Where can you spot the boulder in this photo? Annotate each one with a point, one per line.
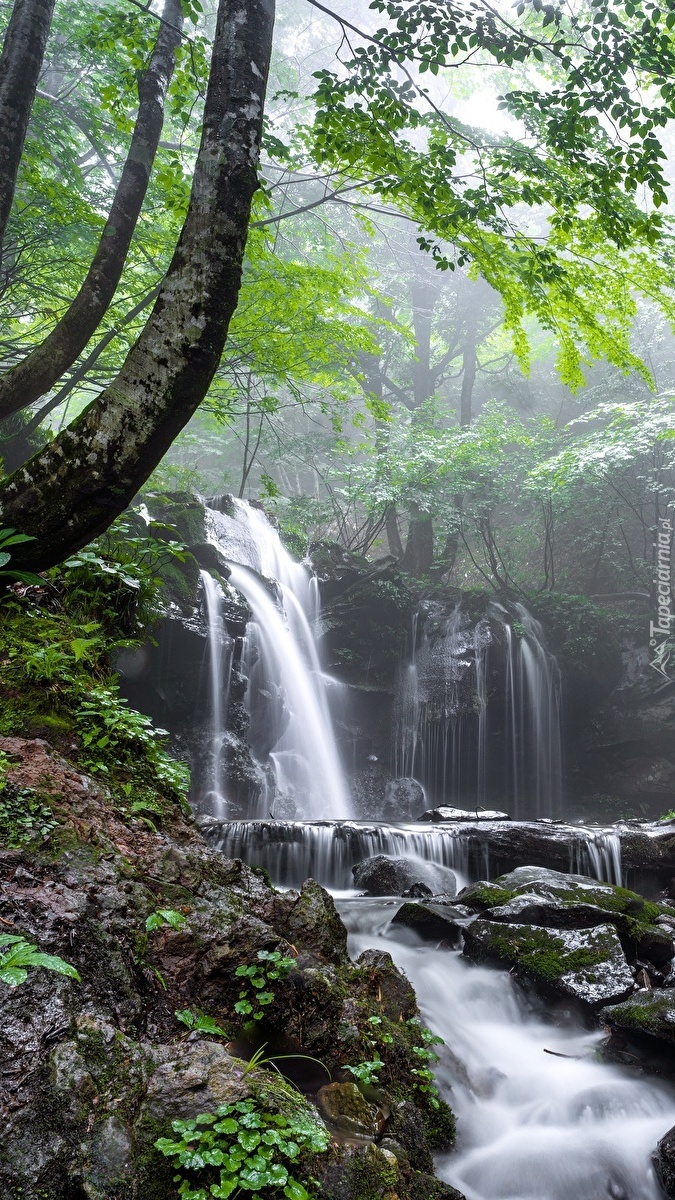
(346, 1110)
(537, 896)
(651, 1012)
(586, 965)
(438, 815)
(664, 1163)
(385, 876)
(432, 922)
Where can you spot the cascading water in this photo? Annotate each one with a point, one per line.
(538, 1116)
(281, 664)
(220, 648)
(451, 719)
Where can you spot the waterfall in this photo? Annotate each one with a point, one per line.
(287, 691)
(220, 667)
(451, 718)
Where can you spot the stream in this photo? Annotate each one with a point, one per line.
(531, 1125)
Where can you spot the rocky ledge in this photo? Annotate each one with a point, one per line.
(192, 975)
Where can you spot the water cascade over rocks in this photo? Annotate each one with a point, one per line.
(292, 727)
(540, 1117)
(450, 722)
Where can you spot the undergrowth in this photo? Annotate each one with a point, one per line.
(57, 641)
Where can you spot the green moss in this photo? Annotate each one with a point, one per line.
(486, 895)
(545, 955)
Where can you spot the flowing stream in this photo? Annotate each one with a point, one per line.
(531, 1125)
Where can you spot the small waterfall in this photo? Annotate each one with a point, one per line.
(293, 851)
(597, 853)
(220, 648)
(470, 688)
(287, 692)
(536, 698)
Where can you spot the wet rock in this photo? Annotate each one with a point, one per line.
(439, 815)
(345, 1109)
(651, 1012)
(92, 1072)
(385, 876)
(395, 994)
(418, 891)
(314, 921)
(664, 1163)
(403, 799)
(587, 965)
(430, 921)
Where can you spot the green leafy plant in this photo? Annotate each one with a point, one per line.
(367, 1073)
(199, 1022)
(15, 961)
(9, 537)
(241, 1148)
(256, 993)
(164, 916)
(424, 1076)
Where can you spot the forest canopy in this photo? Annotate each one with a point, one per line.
(402, 270)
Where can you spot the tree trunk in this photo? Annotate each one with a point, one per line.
(39, 371)
(20, 65)
(419, 548)
(73, 489)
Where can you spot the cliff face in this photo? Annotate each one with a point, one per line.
(95, 1070)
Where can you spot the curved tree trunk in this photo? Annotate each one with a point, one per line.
(39, 371)
(20, 65)
(75, 487)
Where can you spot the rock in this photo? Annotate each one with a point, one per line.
(93, 1072)
(344, 1108)
(651, 1012)
(418, 891)
(432, 922)
(395, 994)
(385, 876)
(664, 1163)
(403, 799)
(314, 921)
(438, 815)
(587, 965)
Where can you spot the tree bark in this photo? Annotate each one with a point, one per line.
(73, 489)
(20, 64)
(40, 369)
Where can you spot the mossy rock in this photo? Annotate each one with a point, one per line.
(651, 1012)
(586, 965)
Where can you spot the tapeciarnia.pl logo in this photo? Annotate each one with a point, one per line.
(660, 630)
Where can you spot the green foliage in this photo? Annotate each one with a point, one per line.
(10, 537)
(164, 916)
(241, 1147)
(22, 955)
(367, 1073)
(199, 1022)
(256, 993)
(25, 814)
(56, 643)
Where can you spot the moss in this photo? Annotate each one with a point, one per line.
(181, 581)
(545, 955)
(486, 895)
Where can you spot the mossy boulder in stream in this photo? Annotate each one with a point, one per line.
(586, 965)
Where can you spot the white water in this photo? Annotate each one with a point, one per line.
(531, 1126)
(282, 663)
(447, 719)
(293, 851)
(220, 666)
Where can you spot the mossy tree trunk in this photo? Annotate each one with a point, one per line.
(20, 64)
(74, 488)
